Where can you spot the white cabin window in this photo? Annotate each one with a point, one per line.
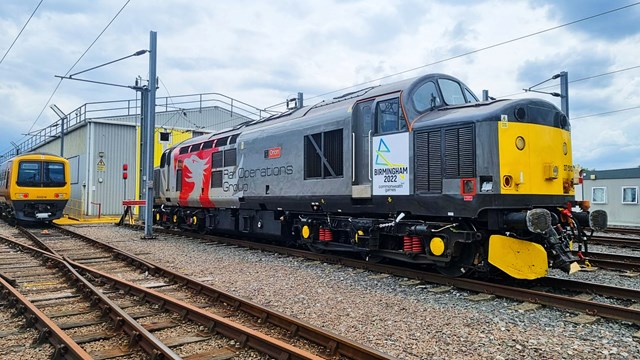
(599, 195)
(629, 194)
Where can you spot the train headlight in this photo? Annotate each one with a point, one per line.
(520, 143)
(565, 149)
(551, 171)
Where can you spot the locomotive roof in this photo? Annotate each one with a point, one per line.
(341, 103)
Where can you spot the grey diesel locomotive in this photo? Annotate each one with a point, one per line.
(418, 171)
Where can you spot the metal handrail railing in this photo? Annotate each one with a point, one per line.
(114, 108)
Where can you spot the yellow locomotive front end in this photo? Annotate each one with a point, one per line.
(38, 187)
(535, 159)
(536, 168)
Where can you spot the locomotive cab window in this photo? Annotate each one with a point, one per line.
(163, 159)
(451, 92)
(426, 97)
(471, 98)
(389, 116)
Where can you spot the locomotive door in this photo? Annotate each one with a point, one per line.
(361, 150)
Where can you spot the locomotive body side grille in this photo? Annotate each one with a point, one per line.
(459, 153)
(428, 161)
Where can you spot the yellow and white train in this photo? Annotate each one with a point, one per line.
(34, 187)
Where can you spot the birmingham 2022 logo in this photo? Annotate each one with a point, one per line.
(391, 172)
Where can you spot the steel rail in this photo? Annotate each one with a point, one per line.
(334, 343)
(539, 297)
(214, 323)
(584, 286)
(615, 241)
(621, 230)
(65, 347)
(136, 332)
(612, 261)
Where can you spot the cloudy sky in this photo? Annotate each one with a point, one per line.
(262, 52)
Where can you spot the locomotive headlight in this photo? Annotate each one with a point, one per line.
(520, 143)
(565, 149)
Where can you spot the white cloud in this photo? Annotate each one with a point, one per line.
(262, 52)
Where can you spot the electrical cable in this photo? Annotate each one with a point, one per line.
(481, 49)
(605, 113)
(21, 30)
(576, 80)
(72, 66)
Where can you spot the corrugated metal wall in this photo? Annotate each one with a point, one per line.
(112, 146)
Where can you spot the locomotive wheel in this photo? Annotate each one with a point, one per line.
(372, 258)
(316, 248)
(202, 228)
(461, 264)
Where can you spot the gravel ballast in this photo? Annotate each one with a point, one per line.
(405, 320)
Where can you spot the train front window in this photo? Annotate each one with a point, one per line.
(451, 92)
(40, 174)
(29, 173)
(53, 174)
(471, 98)
(426, 97)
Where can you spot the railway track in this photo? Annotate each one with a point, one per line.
(172, 291)
(615, 241)
(25, 329)
(624, 309)
(621, 230)
(42, 288)
(612, 261)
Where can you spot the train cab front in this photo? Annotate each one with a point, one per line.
(535, 169)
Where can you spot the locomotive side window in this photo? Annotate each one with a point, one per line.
(323, 155)
(451, 92)
(426, 97)
(230, 157)
(216, 179)
(184, 150)
(163, 160)
(216, 160)
(389, 116)
(179, 180)
(195, 147)
(207, 145)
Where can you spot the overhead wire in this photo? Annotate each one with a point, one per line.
(181, 113)
(21, 30)
(576, 80)
(480, 49)
(74, 64)
(605, 113)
